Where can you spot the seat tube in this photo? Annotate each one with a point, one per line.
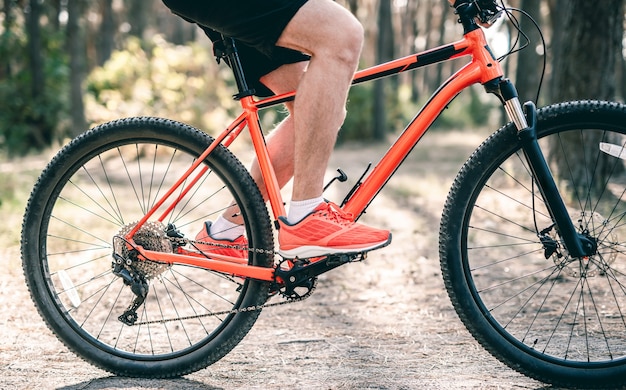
(245, 97)
(265, 164)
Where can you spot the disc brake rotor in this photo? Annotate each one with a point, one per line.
(596, 226)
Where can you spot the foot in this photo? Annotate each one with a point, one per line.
(328, 230)
(205, 236)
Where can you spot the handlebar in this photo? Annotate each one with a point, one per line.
(485, 11)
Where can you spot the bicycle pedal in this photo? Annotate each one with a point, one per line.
(344, 258)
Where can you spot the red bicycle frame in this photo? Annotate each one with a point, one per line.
(482, 68)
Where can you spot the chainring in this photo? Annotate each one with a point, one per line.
(296, 292)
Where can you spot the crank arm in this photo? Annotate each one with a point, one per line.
(302, 271)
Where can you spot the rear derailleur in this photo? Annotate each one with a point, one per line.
(138, 285)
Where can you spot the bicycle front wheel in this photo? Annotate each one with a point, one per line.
(97, 188)
(553, 317)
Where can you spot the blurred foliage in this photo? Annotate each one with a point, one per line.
(471, 109)
(27, 122)
(183, 82)
(157, 78)
(359, 119)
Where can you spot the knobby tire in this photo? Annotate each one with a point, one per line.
(558, 319)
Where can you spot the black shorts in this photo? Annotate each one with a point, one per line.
(256, 25)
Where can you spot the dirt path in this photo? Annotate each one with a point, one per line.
(385, 323)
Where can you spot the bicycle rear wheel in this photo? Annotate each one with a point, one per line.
(558, 319)
(99, 186)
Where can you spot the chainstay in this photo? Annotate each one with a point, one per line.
(232, 311)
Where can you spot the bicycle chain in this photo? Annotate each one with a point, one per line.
(184, 241)
(225, 312)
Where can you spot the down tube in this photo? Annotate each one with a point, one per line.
(389, 163)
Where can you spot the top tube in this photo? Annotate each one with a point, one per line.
(473, 44)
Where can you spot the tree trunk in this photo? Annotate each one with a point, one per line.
(384, 52)
(35, 50)
(585, 69)
(106, 40)
(529, 62)
(353, 6)
(591, 40)
(445, 11)
(7, 9)
(415, 90)
(76, 49)
(428, 82)
(622, 63)
(138, 13)
(40, 134)
(54, 10)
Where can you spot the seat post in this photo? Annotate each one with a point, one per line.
(232, 57)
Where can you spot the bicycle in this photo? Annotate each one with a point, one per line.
(531, 259)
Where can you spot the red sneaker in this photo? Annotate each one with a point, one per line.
(207, 248)
(328, 230)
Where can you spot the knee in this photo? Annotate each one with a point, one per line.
(347, 43)
(340, 40)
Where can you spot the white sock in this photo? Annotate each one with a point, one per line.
(223, 229)
(301, 208)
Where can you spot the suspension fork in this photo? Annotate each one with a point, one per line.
(577, 244)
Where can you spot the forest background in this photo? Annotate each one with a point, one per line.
(66, 65)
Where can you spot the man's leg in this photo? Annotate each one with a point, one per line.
(333, 37)
(321, 96)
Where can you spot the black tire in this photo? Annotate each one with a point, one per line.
(555, 318)
(105, 180)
